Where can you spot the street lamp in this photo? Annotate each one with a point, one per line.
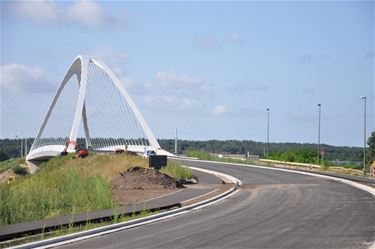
(364, 136)
(175, 143)
(268, 130)
(320, 110)
(21, 144)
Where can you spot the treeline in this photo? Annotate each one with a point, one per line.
(11, 148)
(341, 153)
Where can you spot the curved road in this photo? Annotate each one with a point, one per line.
(272, 210)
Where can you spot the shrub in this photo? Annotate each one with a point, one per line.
(176, 170)
(17, 169)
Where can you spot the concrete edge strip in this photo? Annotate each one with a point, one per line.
(83, 235)
(225, 177)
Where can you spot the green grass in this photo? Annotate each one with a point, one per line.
(176, 170)
(53, 192)
(201, 155)
(63, 186)
(10, 163)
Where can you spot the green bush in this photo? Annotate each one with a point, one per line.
(10, 163)
(17, 169)
(302, 155)
(3, 156)
(176, 170)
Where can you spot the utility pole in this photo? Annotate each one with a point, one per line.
(268, 130)
(364, 136)
(320, 107)
(26, 149)
(175, 143)
(21, 144)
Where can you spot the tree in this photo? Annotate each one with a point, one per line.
(3, 156)
(371, 149)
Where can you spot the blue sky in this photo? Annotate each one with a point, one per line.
(209, 68)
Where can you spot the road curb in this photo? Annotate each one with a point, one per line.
(71, 238)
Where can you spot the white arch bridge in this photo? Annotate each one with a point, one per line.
(91, 103)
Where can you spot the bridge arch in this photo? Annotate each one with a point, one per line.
(96, 79)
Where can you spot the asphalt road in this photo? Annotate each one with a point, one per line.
(272, 210)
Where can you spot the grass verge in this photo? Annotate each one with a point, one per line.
(175, 169)
(64, 186)
(11, 163)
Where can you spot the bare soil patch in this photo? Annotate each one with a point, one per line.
(6, 175)
(139, 184)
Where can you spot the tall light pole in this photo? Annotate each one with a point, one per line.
(175, 143)
(21, 144)
(364, 136)
(320, 111)
(268, 130)
(26, 149)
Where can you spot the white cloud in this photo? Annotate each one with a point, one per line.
(234, 38)
(206, 41)
(172, 102)
(220, 109)
(85, 13)
(90, 14)
(172, 79)
(116, 61)
(39, 11)
(21, 78)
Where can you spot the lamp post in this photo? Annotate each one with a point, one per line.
(175, 143)
(320, 111)
(21, 144)
(364, 136)
(268, 130)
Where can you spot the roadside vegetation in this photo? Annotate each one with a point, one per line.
(66, 186)
(298, 155)
(63, 186)
(175, 170)
(11, 163)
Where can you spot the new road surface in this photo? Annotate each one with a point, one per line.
(273, 209)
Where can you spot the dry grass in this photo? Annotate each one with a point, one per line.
(105, 165)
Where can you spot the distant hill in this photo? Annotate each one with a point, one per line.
(11, 147)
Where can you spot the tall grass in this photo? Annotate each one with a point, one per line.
(176, 170)
(10, 163)
(201, 155)
(63, 186)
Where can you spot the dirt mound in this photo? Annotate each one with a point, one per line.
(143, 178)
(139, 184)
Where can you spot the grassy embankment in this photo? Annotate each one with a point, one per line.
(64, 186)
(175, 170)
(14, 164)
